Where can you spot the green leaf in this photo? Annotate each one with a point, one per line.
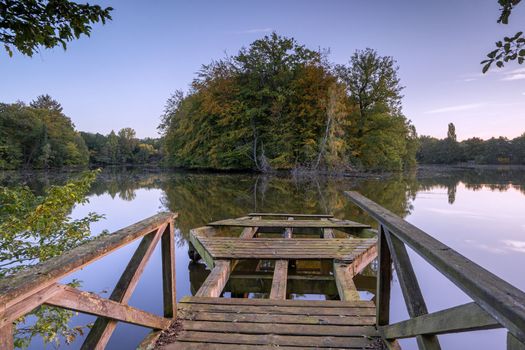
(486, 67)
(492, 54)
(499, 64)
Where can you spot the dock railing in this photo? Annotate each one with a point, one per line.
(39, 284)
(496, 303)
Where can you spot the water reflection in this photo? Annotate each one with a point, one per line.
(477, 212)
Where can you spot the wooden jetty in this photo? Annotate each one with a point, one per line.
(210, 321)
(282, 246)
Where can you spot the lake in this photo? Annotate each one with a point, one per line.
(478, 212)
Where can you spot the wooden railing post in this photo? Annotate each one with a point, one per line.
(384, 276)
(6, 337)
(168, 271)
(103, 328)
(410, 287)
(513, 343)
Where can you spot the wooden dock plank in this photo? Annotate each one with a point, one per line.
(216, 280)
(285, 223)
(280, 319)
(282, 329)
(268, 302)
(345, 284)
(280, 276)
(274, 339)
(293, 215)
(347, 249)
(282, 310)
(210, 346)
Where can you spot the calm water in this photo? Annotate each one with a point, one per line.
(477, 212)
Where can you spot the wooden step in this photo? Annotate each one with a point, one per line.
(223, 323)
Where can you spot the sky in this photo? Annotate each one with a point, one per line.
(123, 74)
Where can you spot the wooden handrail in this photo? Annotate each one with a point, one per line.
(38, 284)
(501, 300)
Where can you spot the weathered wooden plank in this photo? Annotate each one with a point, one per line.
(280, 277)
(150, 341)
(17, 287)
(212, 346)
(103, 328)
(7, 337)
(250, 232)
(363, 260)
(293, 303)
(196, 236)
(513, 343)
(273, 339)
(285, 223)
(275, 248)
(89, 303)
(464, 318)
(283, 329)
(281, 310)
(327, 232)
(26, 305)
(214, 284)
(169, 292)
(384, 278)
(500, 299)
(410, 287)
(345, 284)
(293, 215)
(279, 319)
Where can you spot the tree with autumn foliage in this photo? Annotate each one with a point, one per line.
(279, 105)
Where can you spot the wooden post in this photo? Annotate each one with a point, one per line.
(513, 343)
(327, 232)
(169, 291)
(345, 283)
(250, 232)
(103, 328)
(384, 276)
(6, 337)
(216, 280)
(410, 287)
(280, 278)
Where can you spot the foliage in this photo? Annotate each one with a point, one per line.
(511, 48)
(380, 137)
(34, 229)
(280, 105)
(121, 148)
(27, 25)
(39, 136)
(475, 150)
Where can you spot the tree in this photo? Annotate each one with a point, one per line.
(27, 25)
(39, 136)
(34, 229)
(379, 133)
(372, 83)
(451, 133)
(46, 102)
(279, 105)
(511, 48)
(127, 143)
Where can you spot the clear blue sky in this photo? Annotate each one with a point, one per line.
(124, 73)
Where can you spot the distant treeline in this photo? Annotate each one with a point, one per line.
(121, 148)
(499, 150)
(39, 135)
(279, 105)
